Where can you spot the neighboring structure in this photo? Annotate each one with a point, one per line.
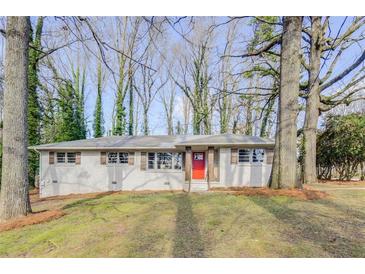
(154, 163)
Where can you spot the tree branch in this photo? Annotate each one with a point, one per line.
(344, 73)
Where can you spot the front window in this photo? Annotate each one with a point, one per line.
(151, 160)
(244, 155)
(112, 157)
(258, 155)
(71, 157)
(164, 160)
(118, 158)
(123, 157)
(61, 157)
(177, 160)
(66, 157)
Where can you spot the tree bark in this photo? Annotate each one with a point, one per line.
(313, 104)
(131, 104)
(14, 188)
(145, 122)
(285, 166)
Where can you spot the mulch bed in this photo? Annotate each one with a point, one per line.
(302, 194)
(31, 219)
(338, 182)
(34, 195)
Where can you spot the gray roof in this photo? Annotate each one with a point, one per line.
(157, 141)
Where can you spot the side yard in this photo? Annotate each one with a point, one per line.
(212, 224)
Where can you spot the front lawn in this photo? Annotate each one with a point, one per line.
(196, 225)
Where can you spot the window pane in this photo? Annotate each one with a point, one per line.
(258, 155)
(61, 157)
(244, 156)
(123, 157)
(164, 160)
(151, 160)
(177, 160)
(112, 157)
(71, 157)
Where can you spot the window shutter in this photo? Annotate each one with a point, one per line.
(103, 158)
(233, 156)
(269, 155)
(51, 158)
(131, 158)
(143, 160)
(78, 158)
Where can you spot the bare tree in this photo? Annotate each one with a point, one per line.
(167, 97)
(14, 187)
(150, 86)
(285, 157)
(321, 45)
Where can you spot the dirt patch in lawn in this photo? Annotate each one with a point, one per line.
(302, 194)
(31, 219)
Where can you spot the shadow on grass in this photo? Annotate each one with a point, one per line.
(187, 240)
(302, 227)
(85, 201)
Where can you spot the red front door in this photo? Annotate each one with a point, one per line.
(198, 165)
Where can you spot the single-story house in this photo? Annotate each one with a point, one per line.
(154, 163)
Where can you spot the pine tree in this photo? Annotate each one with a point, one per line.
(34, 112)
(98, 125)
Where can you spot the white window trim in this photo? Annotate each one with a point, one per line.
(118, 163)
(66, 163)
(156, 170)
(251, 162)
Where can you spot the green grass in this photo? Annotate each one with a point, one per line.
(196, 225)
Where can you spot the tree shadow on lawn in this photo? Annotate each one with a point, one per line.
(304, 227)
(188, 242)
(90, 203)
(86, 201)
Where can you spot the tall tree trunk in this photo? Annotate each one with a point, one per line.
(248, 124)
(145, 122)
(223, 114)
(131, 104)
(14, 186)
(274, 181)
(285, 167)
(312, 106)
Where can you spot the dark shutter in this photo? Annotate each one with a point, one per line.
(103, 158)
(131, 158)
(51, 158)
(143, 160)
(233, 156)
(269, 155)
(78, 158)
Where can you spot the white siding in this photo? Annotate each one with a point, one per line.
(91, 176)
(242, 174)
